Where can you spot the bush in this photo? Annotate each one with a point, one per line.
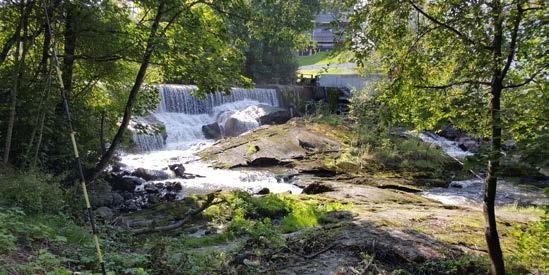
(30, 191)
(467, 264)
(532, 247)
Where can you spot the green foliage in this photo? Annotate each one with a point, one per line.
(323, 113)
(33, 191)
(439, 76)
(532, 247)
(466, 264)
(271, 44)
(44, 262)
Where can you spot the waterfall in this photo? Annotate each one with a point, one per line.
(183, 115)
(179, 99)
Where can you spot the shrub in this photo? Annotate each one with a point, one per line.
(532, 247)
(466, 264)
(30, 191)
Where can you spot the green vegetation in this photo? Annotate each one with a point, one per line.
(478, 66)
(444, 69)
(531, 247)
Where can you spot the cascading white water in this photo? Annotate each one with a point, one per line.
(469, 192)
(180, 99)
(183, 115)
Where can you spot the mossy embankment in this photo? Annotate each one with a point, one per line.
(363, 215)
(309, 146)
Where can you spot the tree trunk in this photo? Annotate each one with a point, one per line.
(39, 141)
(102, 134)
(13, 101)
(69, 49)
(45, 75)
(106, 157)
(18, 75)
(491, 233)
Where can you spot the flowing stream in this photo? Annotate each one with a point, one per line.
(470, 192)
(183, 116)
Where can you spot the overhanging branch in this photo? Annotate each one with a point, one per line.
(448, 27)
(513, 44)
(453, 84)
(526, 81)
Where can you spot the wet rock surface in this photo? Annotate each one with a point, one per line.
(212, 131)
(317, 188)
(277, 144)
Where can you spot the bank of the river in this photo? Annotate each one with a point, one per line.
(353, 217)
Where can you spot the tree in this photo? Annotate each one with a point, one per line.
(107, 50)
(274, 32)
(176, 16)
(452, 60)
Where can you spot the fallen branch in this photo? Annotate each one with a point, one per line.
(209, 202)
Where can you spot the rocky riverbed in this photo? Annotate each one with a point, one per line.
(399, 221)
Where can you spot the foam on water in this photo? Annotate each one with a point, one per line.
(449, 147)
(470, 193)
(212, 179)
(183, 116)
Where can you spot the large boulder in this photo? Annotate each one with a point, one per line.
(126, 183)
(178, 169)
(239, 123)
(271, 146)
(251, 117)
(149, 174)
(211, 131)
(274, 115)
(102, 195)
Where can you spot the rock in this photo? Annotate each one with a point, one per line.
(211, 131)
(127, 183)
(104, 213)
(151, 189)
(117, 167)
(336, 216)
(452, 133)
(178, 169)
(101, 194)
(306, 145)
(467, 144)
(148, 174)
(153, 200)
(544, 171)
(127, 195)
(279, 144)
(264, 162)
(234, 124)
(169, 197)
(274, 115)
(263, 191)
(117, 199)
(131, 206)
(317, 188)
(284, 178)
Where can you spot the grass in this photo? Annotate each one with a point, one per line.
(329, 71)
(322, 58)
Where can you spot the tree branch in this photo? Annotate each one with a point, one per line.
(527, 81)
(449, 85)
(448, 27)
(513, 44)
